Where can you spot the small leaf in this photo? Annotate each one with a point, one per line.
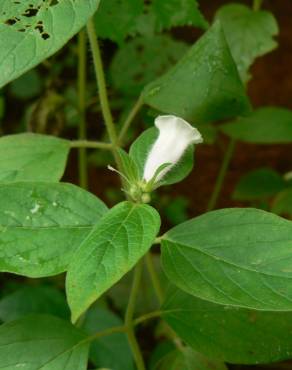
(268, 125)
(141, 147)
(130, 69)
(42, 224)
(27, 86)
(258, 184)
(112, 352)
(238, 335)
(129, 167)
(42, 342)
(173, 13)
(32, 31)
(203, 86)
(237, 257)
(113, 247)
(32, 157)
(33, 300)
(282, 204)
(115, 18)
(250, 34)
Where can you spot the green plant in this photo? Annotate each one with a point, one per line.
(225, 275)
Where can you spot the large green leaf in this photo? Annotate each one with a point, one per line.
(113, 247)
(31, 300)
(32, 157)
(203, 86)
(42, 224)
(112, 352)
(141, 147)
(174, 13)
(238, 257)
(268, 125)
(230, 334)
(42, 342)
(249, 33)
(115, 18)
(31, 31)
(259, 184)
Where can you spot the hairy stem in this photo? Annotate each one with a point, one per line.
(129, 322)
(82, 155)
(221, 176)
(154, 277)
(257, 4)
(130, 119)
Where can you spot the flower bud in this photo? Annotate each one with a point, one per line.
(175, 136)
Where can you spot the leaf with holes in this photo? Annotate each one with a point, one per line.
(237, 257)
(32, 157)
(238, 335)
(141, 147)
(203, 86)
(42, 342)
(31, 31)
(250, 34)
(173, 13)
(268, 125)
(42, 224)
(113, 247)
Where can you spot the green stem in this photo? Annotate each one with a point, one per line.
(82, 155)
(221, 176)
(257, 4)
(90, 144)
(138, 105)
(147, 316)
(99, 72)
(154, 277)
(129, 322)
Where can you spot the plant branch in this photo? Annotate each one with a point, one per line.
(138, 105)
(147, 316)
(82, 155)
(154, 277)
(90, 144)
(129, 322)
(221, 176)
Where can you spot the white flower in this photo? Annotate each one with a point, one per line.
(175, 136)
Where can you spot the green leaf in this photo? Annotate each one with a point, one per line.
(112, 352)
(115, 18)
(130, 69)
(230, 334)
(269, 125)
(113, 247)
(250, 34)
(33, 300)
(32, 157)
(203, 86)
(27, 86)
(173, 13)
(129, 167)
(282, 204)
(139, 151)
(31, 31)
(258, 184)
(187, 359)
(42, 342)
(42, 224)
(238, 257)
